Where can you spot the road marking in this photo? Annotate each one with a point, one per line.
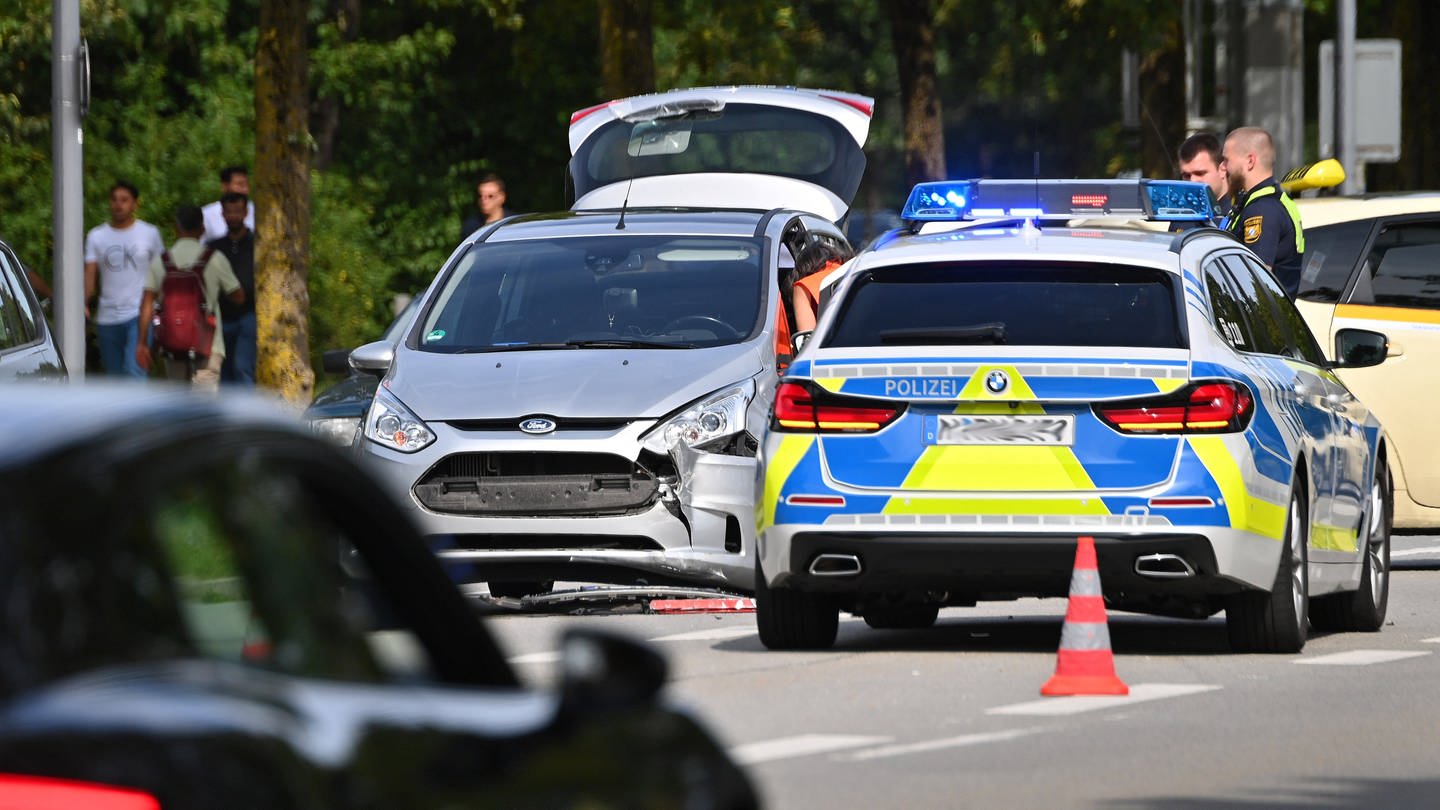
(1139, 693)
(1435, 640)
(713, 634)
(937, 745)
(1415, 552)
(1360, 658)
(536, 658)
(800, 746)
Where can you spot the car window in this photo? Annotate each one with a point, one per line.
(1301, 341)
(1225, 310)
(677, 292)
(1331, 252)
(17, 323)
(1267, 331)
(1011, 303)
(1402, 269)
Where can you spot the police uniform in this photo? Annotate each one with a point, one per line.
(1268, 222)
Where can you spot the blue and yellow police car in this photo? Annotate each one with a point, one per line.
(1020, 366)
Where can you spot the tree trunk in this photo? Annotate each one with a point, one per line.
(627, 55)
(1419, 164)
(913, 34)
(282, 202)
(326, 113)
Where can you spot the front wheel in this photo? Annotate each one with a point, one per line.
(793, 620)
(1363, 610)
(1278, 621)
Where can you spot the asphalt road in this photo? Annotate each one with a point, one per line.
(952, 716)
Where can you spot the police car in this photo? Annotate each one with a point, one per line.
(992, 382)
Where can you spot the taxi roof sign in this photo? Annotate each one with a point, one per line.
(1160, 200)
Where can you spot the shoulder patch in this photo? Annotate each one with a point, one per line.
(1252, 229)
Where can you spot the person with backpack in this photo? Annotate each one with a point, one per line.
(186, 282)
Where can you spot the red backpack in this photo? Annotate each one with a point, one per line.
(186, 326)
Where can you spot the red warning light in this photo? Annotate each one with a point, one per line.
(1089, 200)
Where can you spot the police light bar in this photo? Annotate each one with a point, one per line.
(1159, 200)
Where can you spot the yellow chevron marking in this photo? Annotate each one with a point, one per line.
(1167, 384)
(985, 468)
(831, 384)
(1017, 390)
(1246, 512)
(777, 471)
(900, 505)
(1334, 538)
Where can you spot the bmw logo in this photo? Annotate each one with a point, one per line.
(537, 425)
(996, 382)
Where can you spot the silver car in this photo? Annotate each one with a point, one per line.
(580, 395)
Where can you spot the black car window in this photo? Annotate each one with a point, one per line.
(1301, 341)
(1267, 330)
(1402, 268)
(1331, 252)
(15, 329)
(1225, 310)
(1010, 303)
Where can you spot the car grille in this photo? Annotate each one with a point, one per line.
(534, 483)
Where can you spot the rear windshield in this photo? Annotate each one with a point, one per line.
(737, 138)
(1013, 304)
(597, 292)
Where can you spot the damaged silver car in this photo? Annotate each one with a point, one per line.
(579, 396)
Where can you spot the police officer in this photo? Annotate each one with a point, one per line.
(1264, 217)
(1202, 160)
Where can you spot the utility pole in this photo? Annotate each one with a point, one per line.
(1345, 97)
(69, 89)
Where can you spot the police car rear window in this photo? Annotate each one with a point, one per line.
(1013, 304)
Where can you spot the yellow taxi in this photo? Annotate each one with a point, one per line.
(1373, 262)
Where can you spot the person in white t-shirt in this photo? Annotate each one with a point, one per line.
(234, 179)
(117, 259)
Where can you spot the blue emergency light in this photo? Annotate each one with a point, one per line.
(1160, 200)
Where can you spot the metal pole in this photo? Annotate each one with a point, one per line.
(67, 187)
(1345, 150)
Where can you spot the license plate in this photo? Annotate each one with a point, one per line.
(1006, 430)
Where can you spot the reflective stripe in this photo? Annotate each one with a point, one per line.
(1080, 636)
(1235, 227)
(781, 464)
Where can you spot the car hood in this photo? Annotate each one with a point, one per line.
(576, 383)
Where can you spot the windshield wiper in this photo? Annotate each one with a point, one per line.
(992, 333)
(513, 347)
(621, 343)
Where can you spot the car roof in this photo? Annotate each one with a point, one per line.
(980, 243)
(638, 222)
(1319, 211)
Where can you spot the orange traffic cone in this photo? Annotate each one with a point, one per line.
(1085, 665)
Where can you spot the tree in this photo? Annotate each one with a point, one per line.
(627, 54)
(911, 28)
(282, 209)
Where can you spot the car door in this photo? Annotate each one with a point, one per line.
(1396, 290)
(26, 351)
(753, 148)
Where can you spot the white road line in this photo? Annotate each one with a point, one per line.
(1139, 693)
(1435, 640)
(1415, 552)
(536, 658)
(800, 746)
(713, 634)
(1360, 658)
(937, 745)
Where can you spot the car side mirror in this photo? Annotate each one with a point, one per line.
(600, 672)
(799, 339)
(335, 361)
(373, 358)
(1360, 348)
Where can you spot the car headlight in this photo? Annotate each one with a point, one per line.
(390, 424)
(715, 417)
(338, 430)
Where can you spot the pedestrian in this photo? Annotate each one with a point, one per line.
(1202, 160)
(490, 205)
(233, 180)
(816, 261)
(238, 320)
(218, 277)
(1264, 216)
(117, 257)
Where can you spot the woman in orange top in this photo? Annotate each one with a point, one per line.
(815, 262)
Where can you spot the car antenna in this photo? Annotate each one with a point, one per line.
(620, 225)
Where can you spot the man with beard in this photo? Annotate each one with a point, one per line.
(1264, 216)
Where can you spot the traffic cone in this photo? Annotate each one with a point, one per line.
(1085, 665)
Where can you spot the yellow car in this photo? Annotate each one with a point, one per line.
(1373, 262)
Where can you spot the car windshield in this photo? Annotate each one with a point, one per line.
(612, 291)
(1015, 304)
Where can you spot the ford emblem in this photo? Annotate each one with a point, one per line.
(996, 382)
(537, 424)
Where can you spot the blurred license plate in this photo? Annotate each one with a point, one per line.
(1057, 430)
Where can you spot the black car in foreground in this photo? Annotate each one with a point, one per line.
(190, 591)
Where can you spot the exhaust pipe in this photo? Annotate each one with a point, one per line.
(1163, 566)
(835, 565)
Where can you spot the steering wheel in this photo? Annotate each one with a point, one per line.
(719, 327)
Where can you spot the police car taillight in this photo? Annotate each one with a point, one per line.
(43, 793)
(800, 407)
(1211, 407)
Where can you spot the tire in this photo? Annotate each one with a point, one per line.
(794, 620)
(1276, 622)
(890, 616)
(1363, 610)
(519, 589)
